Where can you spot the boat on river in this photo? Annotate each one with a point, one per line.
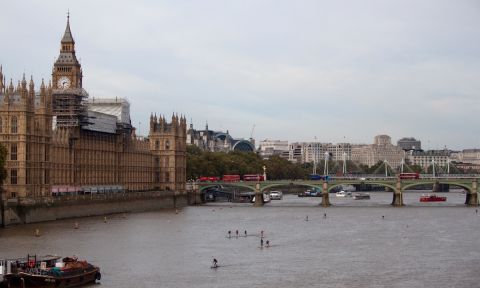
(361, 196)
(432, 198)
(47, 271)
(343, 194)
(315, 192)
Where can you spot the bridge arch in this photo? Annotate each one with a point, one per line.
(230, 184)
(337, 184)
(433, 182)
(296, 184)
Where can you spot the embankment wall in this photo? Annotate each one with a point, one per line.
(23, 213)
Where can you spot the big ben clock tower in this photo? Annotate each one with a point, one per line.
(68, 94)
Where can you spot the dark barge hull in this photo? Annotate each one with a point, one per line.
(47, 281)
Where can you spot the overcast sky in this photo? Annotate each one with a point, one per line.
(297, 70)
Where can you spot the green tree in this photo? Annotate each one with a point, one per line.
(280, 169)
(205, 163)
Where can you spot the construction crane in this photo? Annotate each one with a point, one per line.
(251, 133)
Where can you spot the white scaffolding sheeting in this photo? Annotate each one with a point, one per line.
(117, 107)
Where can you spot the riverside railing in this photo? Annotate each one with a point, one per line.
(96, 197)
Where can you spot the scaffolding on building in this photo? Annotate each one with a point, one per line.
(69, 107)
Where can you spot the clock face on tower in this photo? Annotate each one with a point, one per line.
(63, 82)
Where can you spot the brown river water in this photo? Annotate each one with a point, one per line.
(419, 245)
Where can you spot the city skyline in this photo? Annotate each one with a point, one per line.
(400, 68)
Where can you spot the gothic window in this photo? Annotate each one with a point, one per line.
(13, 126)
(13, 176)
(157, 145)
(167, 177)
(13, 152)
(47, 154)
(157, 162)
(157, 177)
(167, 145)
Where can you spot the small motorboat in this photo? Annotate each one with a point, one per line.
(343, 194)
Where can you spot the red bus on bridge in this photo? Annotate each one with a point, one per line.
(231, 178)
(253, 177)
(209, 179)
(409, 176)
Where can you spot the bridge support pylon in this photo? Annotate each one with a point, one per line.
(325, 199)
(472, 196)
(258, 196)
(398, 195)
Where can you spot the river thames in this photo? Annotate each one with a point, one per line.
(419, 245)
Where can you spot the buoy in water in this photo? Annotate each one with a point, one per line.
(176, 211)
(37, 232)
(105, 219)
(76, 225)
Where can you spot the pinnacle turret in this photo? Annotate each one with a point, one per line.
(31, 84)
(10, 87)
(24, 81)
(2, 82)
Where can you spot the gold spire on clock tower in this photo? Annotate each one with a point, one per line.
(66, 67)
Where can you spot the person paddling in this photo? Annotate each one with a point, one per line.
(215, 263)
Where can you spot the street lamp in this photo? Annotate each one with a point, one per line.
(344, 163)
(386, 167)
(314, 147)
(325, 167)
(433, 167)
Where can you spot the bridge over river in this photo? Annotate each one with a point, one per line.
(397, 185)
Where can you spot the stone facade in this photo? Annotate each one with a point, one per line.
(409, 143)
(69, 156)
(269, 148)
(382, 149)
(424, 158)
(470, 156)
(314, 152)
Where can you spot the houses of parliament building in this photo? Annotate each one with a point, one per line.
(60, 141)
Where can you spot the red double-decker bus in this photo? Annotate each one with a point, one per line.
(209, 179)
(253, 177)
(231, 178)
(409, 176)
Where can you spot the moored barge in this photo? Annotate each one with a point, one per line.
(47, 271)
